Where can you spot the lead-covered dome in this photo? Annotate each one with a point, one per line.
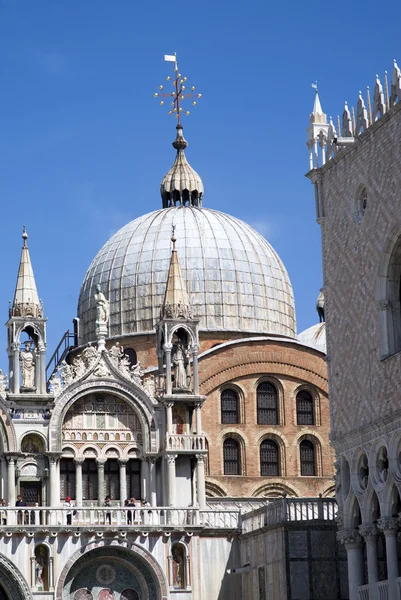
(235, 279)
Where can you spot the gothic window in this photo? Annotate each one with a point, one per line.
(229, 407)
(178, 557)
(133, 479)
(89, 479)
(67, 478)
(112, 479)
(304, 408)
(307, 455)
(131, 355)
(390, 301)
(232, 457)
(267, 404)
(269, 458)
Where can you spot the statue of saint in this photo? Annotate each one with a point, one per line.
(27, 362)
(180, 372)
(116, 352)
(102, 307)
(137, 373)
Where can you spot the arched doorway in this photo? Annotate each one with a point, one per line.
(112, 572)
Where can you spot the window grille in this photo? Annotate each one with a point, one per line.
(304, 408)
(89, 479)
(67, 478)
(231, 457)
(112, 479)
(267, 408)
(307, 450)
(229, 407)
(269, 458)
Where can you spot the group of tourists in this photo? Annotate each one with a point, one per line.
(133, 516)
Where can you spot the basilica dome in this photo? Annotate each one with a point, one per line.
(235, 280)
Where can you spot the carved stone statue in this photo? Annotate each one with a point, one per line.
(67, 373)
(56, 385)
(27, 362)
(116, 352)
(149, 385)
(180, 372)
(89, 356)
(137, 373)
(3, 382)
(102, 312)
(78, 366)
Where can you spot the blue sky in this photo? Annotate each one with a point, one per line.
(84, 145)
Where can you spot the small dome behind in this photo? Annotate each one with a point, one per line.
(235, 279)
(315, 337)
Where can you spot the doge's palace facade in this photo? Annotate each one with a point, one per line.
(357, 184)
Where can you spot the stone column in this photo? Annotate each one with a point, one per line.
(15, 368)
(389, 526)
(11, 481)
(170, 459)
(42, 372)
(4, 488)
(354, 547)
(100, 481)
(152, 479)
(51, 574)
(167, 352)
(123, 480)
(54, 482)
(200, 478)
(144, 480)
(169, 417)
(187, 572)
(33, 578)
(79, 496)
(369, 532)
(195, 369)
(198, 418)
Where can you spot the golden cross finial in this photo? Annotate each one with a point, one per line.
(178, 95)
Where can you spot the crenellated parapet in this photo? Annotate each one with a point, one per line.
(325, 138)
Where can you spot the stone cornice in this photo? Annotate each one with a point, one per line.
(370, 433)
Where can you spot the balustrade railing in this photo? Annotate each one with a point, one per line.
(28, 517)
(277, 512)
(185, 441)
(363, 592)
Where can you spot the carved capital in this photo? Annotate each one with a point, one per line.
(200, 458)
(101, 462)
(169, 404)
(151, 460)
(388, 524)
(198, 405)
(79, 460)
(170, 458)
(122, 461)
(349, 536)
(368, 530)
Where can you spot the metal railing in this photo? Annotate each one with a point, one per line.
(66, 343)
(135, 516)
(289, 510)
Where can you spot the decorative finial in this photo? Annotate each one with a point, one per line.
(178, 95)
(173, 238)
(314, 85)
(24, 234)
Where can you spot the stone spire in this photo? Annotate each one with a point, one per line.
(26, 300)
(317, 134)
(176, 302)
(181, 186)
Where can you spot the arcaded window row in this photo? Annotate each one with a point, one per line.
(266, 406)
(270, 460)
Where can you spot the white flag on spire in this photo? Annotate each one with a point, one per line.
(170, 57)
